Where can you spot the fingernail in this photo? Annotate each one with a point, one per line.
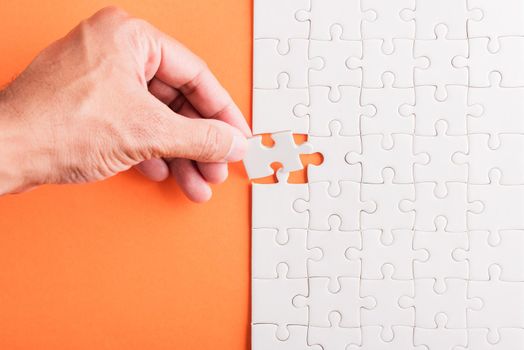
(238, 149)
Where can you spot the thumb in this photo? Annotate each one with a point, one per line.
(203, 140)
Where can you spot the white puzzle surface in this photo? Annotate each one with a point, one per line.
(410, 234)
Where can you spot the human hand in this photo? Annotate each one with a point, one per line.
(112, 94)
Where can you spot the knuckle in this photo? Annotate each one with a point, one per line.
(127, 28)
(112, 12)
(194, 82)
(107, 18)
(114, 23)
(133, 32)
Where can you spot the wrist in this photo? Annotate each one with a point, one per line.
(20, 166)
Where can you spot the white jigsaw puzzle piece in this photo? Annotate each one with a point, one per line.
(371, 339)
(500, 18)
(496, 312)
(273, 109)
(387, 119)
(269, 251)
(440, 246)
(454, 206)
(374, 63)
(453, 302)
(428, 110)
(272, 301)
(480, 339)
(277, 19)
(506, 60)
(428, 14)
(387, 24)
(481, 159)
(321, 205)
(322, 111)
(484, 251)
(259, 158)
(376, 253)
(321, 302)
(441, 335)
(441, 169)
(323, 14)
(334, 167)
(440, 53)
(272, 205)
(500, 106)
(333, 244)
(503, 206)
(269, 63)
(387, 292)
(334, 337)
(388, 217)
(334, 53)
(375, 158)
(263, 338)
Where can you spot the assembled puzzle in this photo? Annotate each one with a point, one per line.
(410, 234)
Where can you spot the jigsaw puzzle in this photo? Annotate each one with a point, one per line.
(410, 234)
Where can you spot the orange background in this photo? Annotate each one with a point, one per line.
(128, 264)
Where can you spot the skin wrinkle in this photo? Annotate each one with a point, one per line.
(218, 114)
(192, 85)
(162, 92)
(210, 144)
(154, 57)
(178, 103)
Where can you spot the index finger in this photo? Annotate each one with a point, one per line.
(186, 72)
